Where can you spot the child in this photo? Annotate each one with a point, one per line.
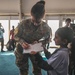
(57, 63)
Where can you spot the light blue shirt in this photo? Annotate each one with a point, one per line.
(59, 61)
(1, 33)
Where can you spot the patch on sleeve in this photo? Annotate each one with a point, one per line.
(16, 30)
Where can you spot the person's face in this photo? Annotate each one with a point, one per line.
(57, 39)
(35, 21)
(67, 22)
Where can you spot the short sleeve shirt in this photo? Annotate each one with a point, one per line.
(59, 61)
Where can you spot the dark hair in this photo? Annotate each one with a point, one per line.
(65, 33)
(38, 10)
(72, 56)
(68, 19)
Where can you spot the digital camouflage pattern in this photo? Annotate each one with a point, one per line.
(27, 32)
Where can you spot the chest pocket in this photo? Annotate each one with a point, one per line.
(33, 33)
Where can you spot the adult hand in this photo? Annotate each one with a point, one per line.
(25, 45)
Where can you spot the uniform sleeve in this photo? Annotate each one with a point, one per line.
(18, 33)
(50, 33)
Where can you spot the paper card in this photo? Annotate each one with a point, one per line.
(34, 47)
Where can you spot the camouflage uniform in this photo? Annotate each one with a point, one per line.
(27, 32)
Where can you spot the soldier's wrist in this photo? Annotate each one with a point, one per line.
(21, 41)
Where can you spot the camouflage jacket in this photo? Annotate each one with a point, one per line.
(27, 32)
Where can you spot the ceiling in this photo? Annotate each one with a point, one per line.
(24, 6)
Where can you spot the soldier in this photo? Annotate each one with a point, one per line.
(27, 32)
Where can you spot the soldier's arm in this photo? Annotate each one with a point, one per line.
(51, 33)
(18, 33)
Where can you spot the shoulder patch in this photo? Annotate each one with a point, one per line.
(16, 30)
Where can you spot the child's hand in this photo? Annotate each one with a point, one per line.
(35, 42)
(33, 52)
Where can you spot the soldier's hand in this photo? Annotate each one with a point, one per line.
(25, 45)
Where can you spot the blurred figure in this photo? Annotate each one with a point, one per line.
(12, 41)
(73, 28)
(68, 22)
(72, 53)
(1, 37)
(50, 39)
